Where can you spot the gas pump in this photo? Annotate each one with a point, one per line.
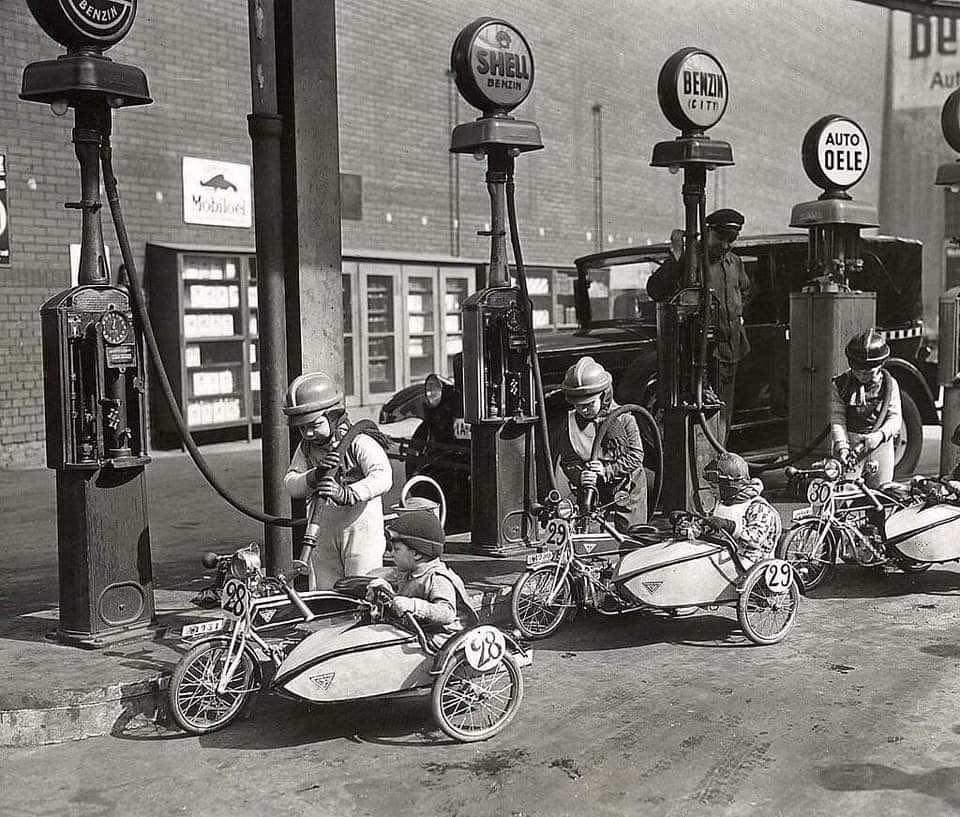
(93, 366)
(948, 366)
(828, 312)
(503, 394)
(693, 93)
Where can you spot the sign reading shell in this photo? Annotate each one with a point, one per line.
(835, 152)
(692, 90)
(74, 23)
(493, 65)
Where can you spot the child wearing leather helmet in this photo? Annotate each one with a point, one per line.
(741, 508)
(349, 481)
(425, 586)
(618, 471)
(865, 407)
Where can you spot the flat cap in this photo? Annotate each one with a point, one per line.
(726, 217)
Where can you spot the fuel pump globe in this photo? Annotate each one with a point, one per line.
(493, 65)
(835, 153)
(692, 90)
(76, 24)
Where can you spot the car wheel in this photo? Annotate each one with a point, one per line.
(908, 443)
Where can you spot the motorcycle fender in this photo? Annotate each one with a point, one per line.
(926, 534)
(450, 649)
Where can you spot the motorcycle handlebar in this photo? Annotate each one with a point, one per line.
(211, 560)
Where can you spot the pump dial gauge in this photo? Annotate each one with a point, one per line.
(115, 327)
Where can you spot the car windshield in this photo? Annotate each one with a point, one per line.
(617, 292)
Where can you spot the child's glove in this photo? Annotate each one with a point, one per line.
(591, 474)
(402, 605)
(329, 488)
(328, 460)
(376, 583)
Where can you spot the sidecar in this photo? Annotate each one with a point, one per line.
(475, 676)
(683, 572)
(922, 535)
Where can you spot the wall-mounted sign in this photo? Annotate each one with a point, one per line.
(692, 89)
(216, 193)
(4, 218)
(493, 65)
(925, 60)
(85, 22)
(835, 153)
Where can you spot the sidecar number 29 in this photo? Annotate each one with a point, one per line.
(485, 648)
(778, 575)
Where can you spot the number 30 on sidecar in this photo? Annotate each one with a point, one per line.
(700, 569)
(334, 646)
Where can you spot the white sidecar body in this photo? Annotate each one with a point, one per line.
(678, 573)
(926, 534)
(351, 660)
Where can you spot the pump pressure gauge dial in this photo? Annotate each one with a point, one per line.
(115, 327)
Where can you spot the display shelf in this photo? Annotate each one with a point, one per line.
(194, 294)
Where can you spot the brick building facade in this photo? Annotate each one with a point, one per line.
(597, 63)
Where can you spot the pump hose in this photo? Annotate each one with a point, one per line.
(531, 334)
(139, 301)
(650, 425)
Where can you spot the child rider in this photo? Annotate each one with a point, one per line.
(425, 587)
(349, 538)
(618, 472)
(865, 407)
(741, 510)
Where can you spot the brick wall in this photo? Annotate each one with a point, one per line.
(788, 64)
(197, 65)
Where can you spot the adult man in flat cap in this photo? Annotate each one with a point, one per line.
(727, 278)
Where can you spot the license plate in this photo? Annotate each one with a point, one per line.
(802, 513)
(203, 628)
(534, 559)
(461, 429)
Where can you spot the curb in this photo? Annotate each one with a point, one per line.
(75, 714)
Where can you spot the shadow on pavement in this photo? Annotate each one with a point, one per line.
(851, 582)
(943, 783)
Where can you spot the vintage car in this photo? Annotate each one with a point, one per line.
(616, 324)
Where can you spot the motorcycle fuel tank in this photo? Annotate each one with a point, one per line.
(678, 573)
(926, 534)
(354, 661)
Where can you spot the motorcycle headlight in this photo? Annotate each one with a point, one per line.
(832, 469)
(245, 563)
(433, 391)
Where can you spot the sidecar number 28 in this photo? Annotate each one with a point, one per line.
(233, 597)
(485, 648)
(778, 575)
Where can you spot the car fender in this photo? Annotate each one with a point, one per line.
(910, 379)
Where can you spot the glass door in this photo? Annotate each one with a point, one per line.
(419, 286)
(457, 285)
(379, 299)
(351, 348)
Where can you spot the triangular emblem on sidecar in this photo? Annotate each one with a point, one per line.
(652, 587)
(323, 681)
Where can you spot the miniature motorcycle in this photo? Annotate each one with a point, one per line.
(611, 573)
(328, 646)
(909, 525)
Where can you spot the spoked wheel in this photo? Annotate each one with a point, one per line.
(534, 613)
(908, 565)
(195, 704)
(470, 704)
(812, 550)
(766, 615)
